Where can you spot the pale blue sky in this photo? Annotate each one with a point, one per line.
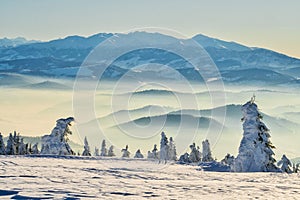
(272, 24)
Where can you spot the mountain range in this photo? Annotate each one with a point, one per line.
(62, 58)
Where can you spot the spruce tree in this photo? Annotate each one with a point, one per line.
(154, 153)
(195, 155)
(10, 147)
(126, 152)
(86, 151)
(103, 149)
(206, 152)
(96, 153)
(22, 147)
(111, 151)
(35, 150)
(256, 150)
(172, 150)
(138, 154)
(164, 148)
(2, 145)
(30, 149)
(285, 164)
(57, 142)
(17, 141)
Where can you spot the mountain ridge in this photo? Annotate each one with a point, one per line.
(63, 57)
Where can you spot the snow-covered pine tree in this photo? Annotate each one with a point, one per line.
(22, 147)
(296, 167)
(35, 150)
(103, 149)
(206, 152)
(57, 142)
(285, 164)
(16, 141)
(172, 150)
(138, 154)
(86, 151)
(154, 153)
(228, 160)
(111, 152)
(195, 155)
(2, 145)
(30, 149)
(184, 159)
(255, 151)
(126, 153)
(164, 148)
(96, 153)
(10, 147)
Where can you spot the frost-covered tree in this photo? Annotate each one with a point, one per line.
(164, 148)
(195, 155)
(228, 160)
(103, 149)
(10, 147)
(285, 164)
(138, 154)
(35, 149)
(126, 152)
(86, 151)
(154, 153)
(22, 147)
(172, 150)
(184, 159)
(206, 152)
(255, 151)
(57, 142)
(16, 139)
(296, 167)
(29, 149)
(2, 145)
(96, 153)
(111, 152)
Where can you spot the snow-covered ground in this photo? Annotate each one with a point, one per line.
(76, 178)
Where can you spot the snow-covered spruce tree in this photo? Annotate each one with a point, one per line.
(195, 155)
(2, 145)
(154, 153)
(206, 152)
(57, 142)
(172, 150)
(285, 164)
(22, 147)
(126, 152)
(10, 147)
(86, 151)
(255, 151)
(164, 148)
(35, 150)
(111, 152)
(30, 149)
(228, 160)
(296, 167)
(103, 149)
(96, 153)
(138, 154)
(16, 138)
(184, 159)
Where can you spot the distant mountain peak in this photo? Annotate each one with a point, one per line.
(207, 41)
(63, 57)
(13, 42)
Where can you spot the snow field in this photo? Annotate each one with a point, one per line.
(114, 178)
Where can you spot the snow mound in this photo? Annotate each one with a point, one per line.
(214, 167)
